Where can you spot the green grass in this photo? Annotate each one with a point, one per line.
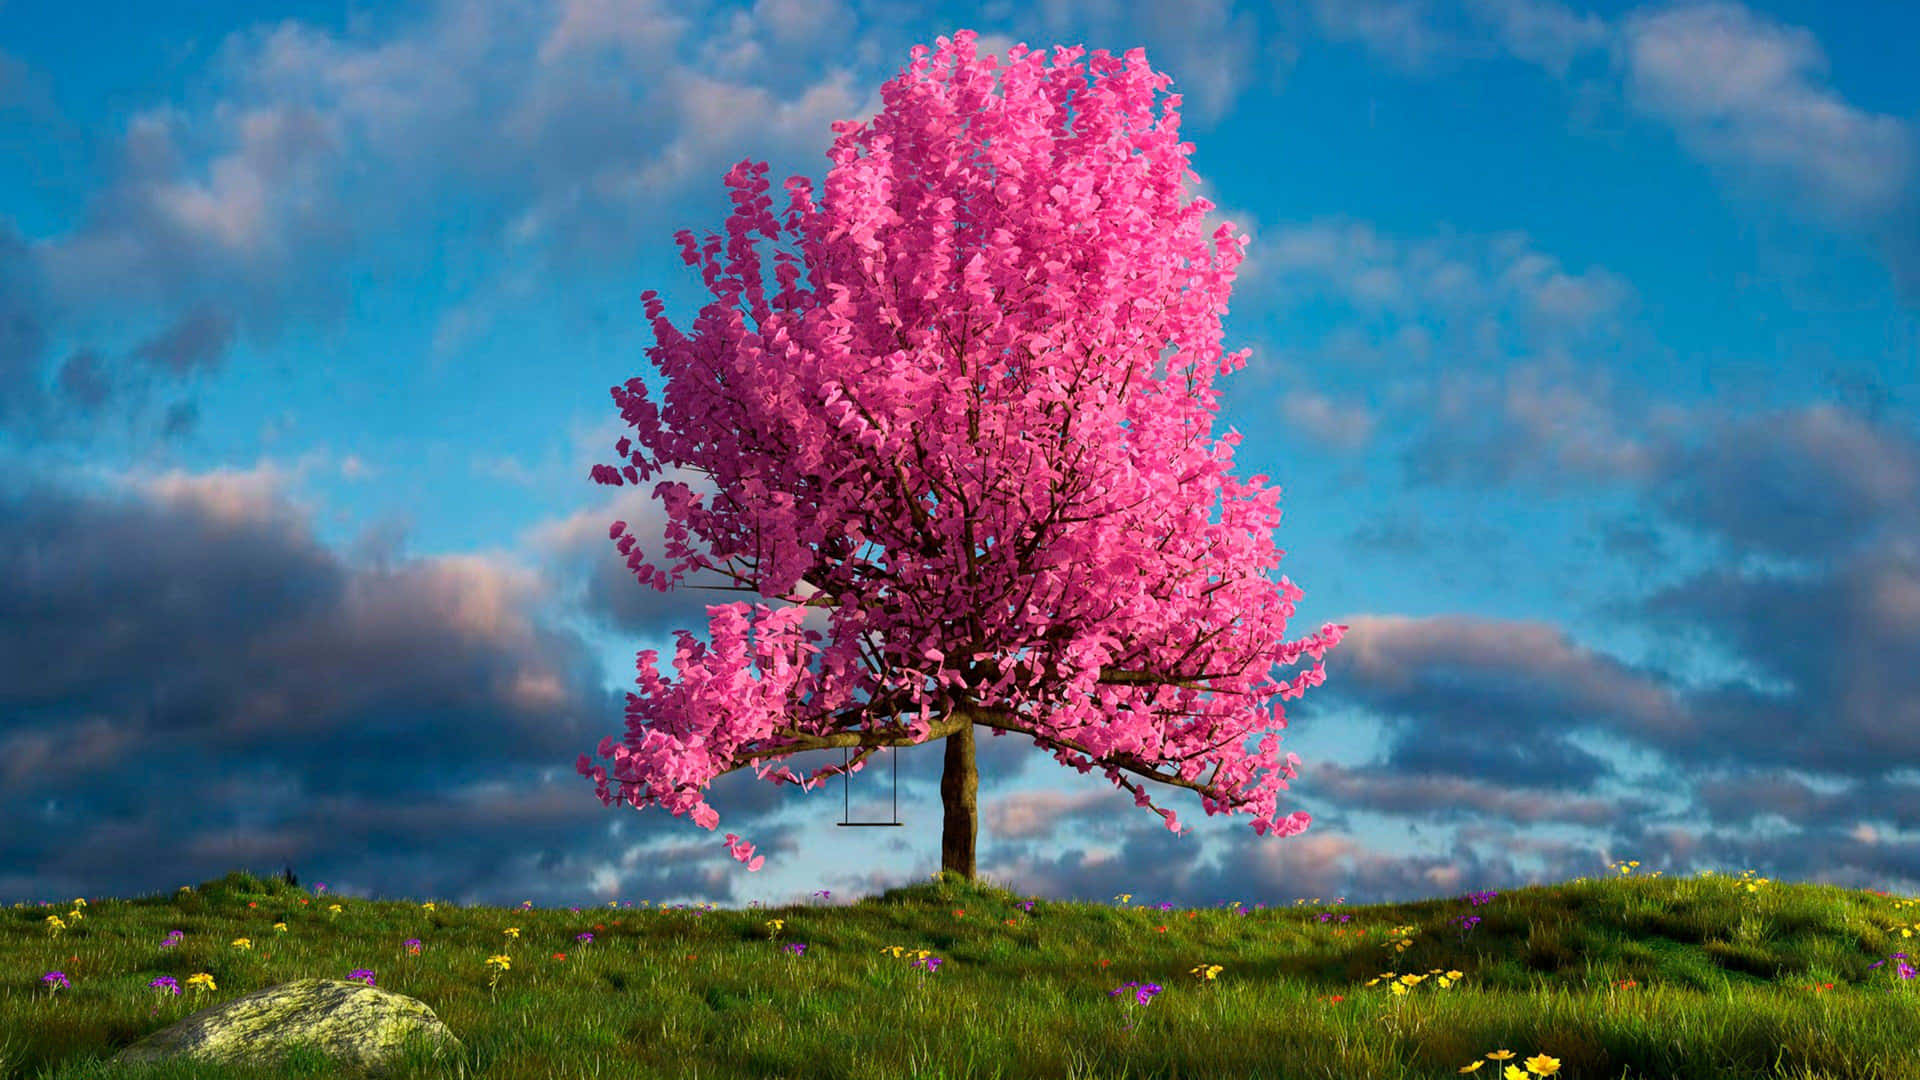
(1728, 978)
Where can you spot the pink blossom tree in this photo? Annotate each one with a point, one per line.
(966, 437)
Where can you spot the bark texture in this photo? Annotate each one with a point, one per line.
(958, 783)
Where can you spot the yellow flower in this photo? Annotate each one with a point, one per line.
(1501, 1055)
(79, 901)
(1543, 1065)
(54, 925)
(242, 943)
(280, 926)
(1513, 1072)
(1473, 1067)
(513, 932)
(1124, 897)
(1207, 971)
(201, 979)
(776, 924)
(334, 908)
(428, 905)
(503, 962)
(75, 915)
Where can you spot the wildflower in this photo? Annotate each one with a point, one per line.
(360, 975)
(242, 943)
(413, 945)
(583, 936)
(165, 984)
(280, 926)
(55, 980)
(54, 925)
(202, 980)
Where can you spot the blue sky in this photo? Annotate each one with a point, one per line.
(1584, 348)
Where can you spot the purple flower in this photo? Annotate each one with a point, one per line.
(361, 974)
(54, 978)
(1028, 906)
(583, 937)
(1145, 992)
(412, 943)
(321, 887)
(171, 940)
(165, 982)
(796, 947)
(1906, 970)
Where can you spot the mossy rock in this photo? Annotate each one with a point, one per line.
(363, 1030)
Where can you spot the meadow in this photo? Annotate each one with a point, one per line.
(1624, 975)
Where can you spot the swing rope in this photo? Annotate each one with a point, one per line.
(846, 786)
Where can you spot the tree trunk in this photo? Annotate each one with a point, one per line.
(957, 785)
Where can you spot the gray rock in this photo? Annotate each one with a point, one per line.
(362, 1028)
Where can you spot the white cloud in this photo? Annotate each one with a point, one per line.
(1752, 95)
(1541, 31)
(1403, 31)
(1447, 272)
(1346, 426)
